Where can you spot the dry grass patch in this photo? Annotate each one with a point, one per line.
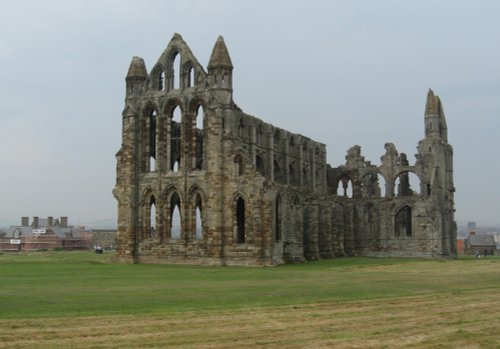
(450, 320)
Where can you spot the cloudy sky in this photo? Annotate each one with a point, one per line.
(341, 72)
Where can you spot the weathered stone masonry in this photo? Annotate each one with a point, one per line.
(200, 181)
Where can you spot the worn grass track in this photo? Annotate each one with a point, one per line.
(58, 300)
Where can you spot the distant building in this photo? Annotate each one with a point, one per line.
(105, 238)
(471, 226)
(43, 234)
(460, 246)
(484, 244)
(497, 240)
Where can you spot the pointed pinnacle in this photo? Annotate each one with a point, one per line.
(220, 55)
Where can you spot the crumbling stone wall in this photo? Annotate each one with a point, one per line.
(200, 181)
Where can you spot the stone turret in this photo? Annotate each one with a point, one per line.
(220, 67)
(435, 163)
(136, 75)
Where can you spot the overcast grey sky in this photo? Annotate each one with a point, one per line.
(340, 72)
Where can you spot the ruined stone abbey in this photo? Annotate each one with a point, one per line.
(200, 181)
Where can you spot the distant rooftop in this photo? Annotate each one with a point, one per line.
(481, 240)
(41, 225)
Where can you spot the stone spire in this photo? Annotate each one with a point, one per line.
(137, 69)
(435, 121)
(136, 75)
(220, 56)
(220, 68)
(432, 106)
(177, 36)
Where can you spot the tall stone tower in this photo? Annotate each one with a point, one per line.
(435, 162)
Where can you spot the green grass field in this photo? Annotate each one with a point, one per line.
(81, 300)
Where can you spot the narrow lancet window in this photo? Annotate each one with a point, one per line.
(175, 140)
(152, 142)
(161, 81)
(198, 131)
(191, 81)
(198, 223)
(175, 217)
(240, 221)
(152, 217)
(277, 219)
(176, 71)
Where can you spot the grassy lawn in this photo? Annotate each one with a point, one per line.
(80, 300)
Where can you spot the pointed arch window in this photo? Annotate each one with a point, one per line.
(382, 185)
(152, 141)
(345, 187)
(152, 231)
(198, 218)
(402, 222)
(176, 70)
(348, 190)
(240, 220)
(158, 78)
(191, 76)
(175, 217)
(161, 80)
(198, 138)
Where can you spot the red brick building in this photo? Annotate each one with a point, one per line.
(44, 234)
